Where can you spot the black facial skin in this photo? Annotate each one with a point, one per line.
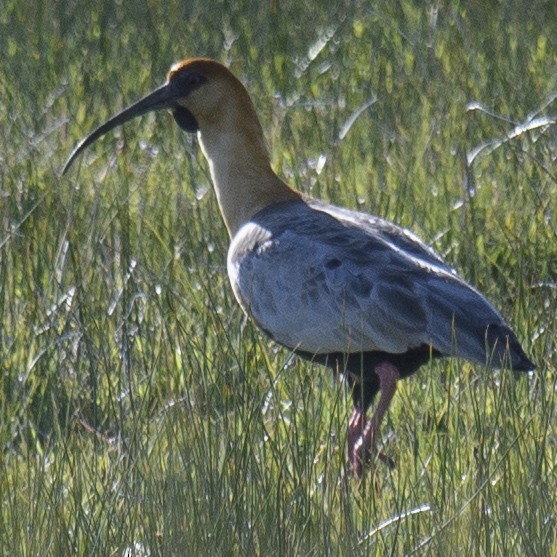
(185, 119)
(183, 83)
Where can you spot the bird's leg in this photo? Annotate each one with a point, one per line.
(356, 428)
(363, 447)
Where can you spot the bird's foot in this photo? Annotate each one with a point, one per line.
(362, 455)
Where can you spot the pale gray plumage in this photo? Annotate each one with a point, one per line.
(322, 279)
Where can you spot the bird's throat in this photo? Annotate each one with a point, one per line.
(243, 179)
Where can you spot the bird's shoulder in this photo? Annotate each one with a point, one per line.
(314, 229)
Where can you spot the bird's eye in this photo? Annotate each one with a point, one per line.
(187, 80)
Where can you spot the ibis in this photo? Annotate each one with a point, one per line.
(346, 289)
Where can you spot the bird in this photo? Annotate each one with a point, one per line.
(345, 289)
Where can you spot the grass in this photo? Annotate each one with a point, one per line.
(139, 413)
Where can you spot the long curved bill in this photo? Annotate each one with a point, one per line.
(158, 99)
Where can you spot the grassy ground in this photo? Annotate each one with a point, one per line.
(139, 413)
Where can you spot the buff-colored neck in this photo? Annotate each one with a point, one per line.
(239, 162)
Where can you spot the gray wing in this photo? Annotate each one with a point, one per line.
(322, 279)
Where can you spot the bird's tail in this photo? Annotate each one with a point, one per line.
(504, 349)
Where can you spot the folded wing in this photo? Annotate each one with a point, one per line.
(321, 279)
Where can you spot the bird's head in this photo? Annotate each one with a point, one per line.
(200, 93)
